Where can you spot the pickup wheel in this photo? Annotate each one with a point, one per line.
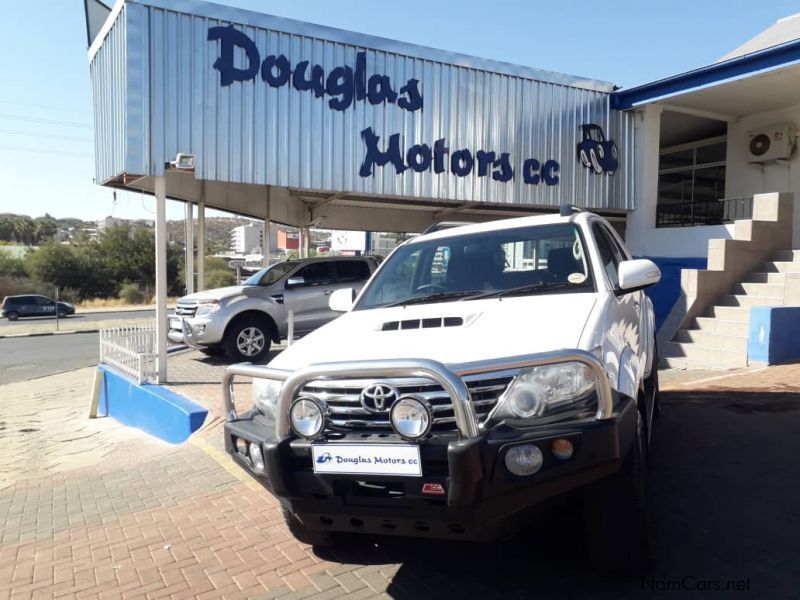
(318, 539)
(617, 524)
(247, 339)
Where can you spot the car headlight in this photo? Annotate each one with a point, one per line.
(207, 308)
(265, 395)
(539, 391)
(307, 417)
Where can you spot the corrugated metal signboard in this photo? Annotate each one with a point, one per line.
(265, 100)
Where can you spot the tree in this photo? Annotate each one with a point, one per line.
(24, 229)
(57, 264)
(6, 229)
(128, 254)
(45, 228)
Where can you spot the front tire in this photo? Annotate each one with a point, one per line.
(247, 339)
(62, 314)
(617, 522)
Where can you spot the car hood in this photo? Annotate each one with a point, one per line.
(219, 293)
(492, 328)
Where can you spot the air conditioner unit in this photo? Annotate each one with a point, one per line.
(774, 142)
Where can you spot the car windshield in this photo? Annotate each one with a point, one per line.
(521, 261)
(271, 274)
(595, 134)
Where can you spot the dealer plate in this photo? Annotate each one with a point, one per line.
(175, 324)
(367, 459)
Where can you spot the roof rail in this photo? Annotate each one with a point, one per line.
(445, 225)
(568, 209)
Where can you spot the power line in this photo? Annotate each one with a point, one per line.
(49, 107)
(47, 135)
(47, 121)
(36, 151)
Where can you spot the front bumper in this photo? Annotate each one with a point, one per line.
(194, 332)
(481, 500)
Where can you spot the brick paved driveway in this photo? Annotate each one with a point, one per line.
(133, 517)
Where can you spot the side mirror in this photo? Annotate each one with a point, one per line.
(638, 274)
(294, 282)
(342, 300)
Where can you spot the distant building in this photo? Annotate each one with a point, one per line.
(247, 239)
(108, 222)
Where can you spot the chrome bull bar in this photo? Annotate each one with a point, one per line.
(447, 376)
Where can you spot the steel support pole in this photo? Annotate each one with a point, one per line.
(161, 278)
(201, 246)
(189, 237)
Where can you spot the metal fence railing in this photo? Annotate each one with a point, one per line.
(130, 350)
(706, 212)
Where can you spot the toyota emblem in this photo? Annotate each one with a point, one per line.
(378, 397)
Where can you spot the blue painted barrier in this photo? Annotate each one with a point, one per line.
(774, 335)
(151, 408)
(666, 292)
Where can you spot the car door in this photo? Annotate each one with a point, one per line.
(28, 306)
(623, 336)
(44, 306)
(306, 295)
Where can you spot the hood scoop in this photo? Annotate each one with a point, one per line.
(427, 323)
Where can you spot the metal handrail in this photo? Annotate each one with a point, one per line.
(449, 377)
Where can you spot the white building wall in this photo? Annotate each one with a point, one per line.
(745, 179)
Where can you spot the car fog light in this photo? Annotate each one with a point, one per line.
(306, 417)
(241, 446)
(256, 458)
(411, 418)
(562, 449)
(199, 328)
(523, 460)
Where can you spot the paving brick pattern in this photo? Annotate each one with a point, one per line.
(131, 517)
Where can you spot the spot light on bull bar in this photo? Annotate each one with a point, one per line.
(411, 417)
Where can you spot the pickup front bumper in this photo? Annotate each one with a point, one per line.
(469, 493)
(481, 499)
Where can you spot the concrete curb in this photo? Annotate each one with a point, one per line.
(44, 333)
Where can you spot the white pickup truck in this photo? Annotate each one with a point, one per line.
(482, 370)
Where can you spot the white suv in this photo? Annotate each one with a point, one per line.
(482, 370)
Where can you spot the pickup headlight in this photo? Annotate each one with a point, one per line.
(265, 395)
(207, 308)
(539, 391)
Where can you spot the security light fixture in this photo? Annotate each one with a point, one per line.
(182, 162)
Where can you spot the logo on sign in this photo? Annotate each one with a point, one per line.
(323, 458)
(378, 397)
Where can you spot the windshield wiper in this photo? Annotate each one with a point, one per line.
(431, 298)
(524, 289)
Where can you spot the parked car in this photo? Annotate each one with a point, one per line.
(243, 320)
(596, 152)
(34, 305)
(482, 370)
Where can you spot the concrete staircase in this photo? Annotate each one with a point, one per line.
(718, 339)
(709, 325)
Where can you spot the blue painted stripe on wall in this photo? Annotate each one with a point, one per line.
(151, 408)
(666, 292)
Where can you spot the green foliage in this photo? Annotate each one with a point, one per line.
(133, 294)
(11, 266)
(218, 278)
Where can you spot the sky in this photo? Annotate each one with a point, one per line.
(46, 147)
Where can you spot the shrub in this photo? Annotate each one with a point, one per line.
(12, 286)
(220, 278)
(132, 294)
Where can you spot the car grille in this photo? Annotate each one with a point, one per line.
(185, 310)
(343, 398)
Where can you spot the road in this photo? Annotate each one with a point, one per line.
(86, 317)
(28, 357)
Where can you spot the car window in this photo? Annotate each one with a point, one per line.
(42, 301)
(609, 254)
(317, 273)
(538, 259)
(11, 302)
(352, 270)
(271, 274)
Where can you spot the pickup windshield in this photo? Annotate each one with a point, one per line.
(512, 262)
(271, 274)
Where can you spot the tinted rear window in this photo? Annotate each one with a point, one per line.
(352, 270)
(14, 301)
